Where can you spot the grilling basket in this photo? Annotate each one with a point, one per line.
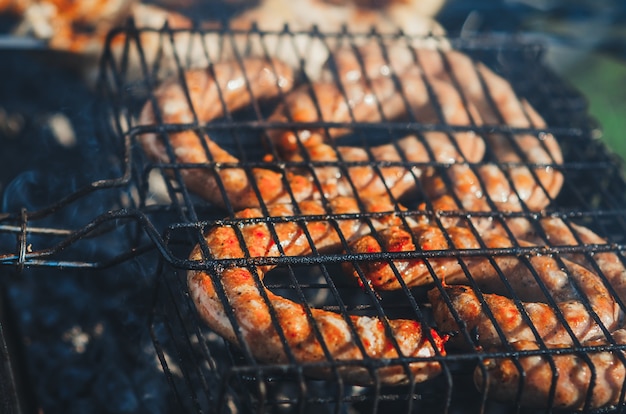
(341, 222)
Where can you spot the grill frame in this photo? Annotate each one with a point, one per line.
(152, 227)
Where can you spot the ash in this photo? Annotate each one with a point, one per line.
(88, 348)
(85, 333)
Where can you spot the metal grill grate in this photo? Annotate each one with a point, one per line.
(206, 373)
(204, 370)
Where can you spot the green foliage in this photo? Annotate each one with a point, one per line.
(603, 81)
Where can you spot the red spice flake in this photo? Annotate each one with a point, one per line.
(229, 241)
(395, 246)
(573, 321)
(388, 346)
(440, 341)
(509, 315)
(371, 248)
(362, 285)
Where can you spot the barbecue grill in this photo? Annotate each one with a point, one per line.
(153, 219)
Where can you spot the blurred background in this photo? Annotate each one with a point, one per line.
(586, 41)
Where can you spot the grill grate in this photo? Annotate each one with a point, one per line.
(205, 372)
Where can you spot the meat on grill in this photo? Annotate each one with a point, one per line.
(557, 301)
(571, 381)
(266, 321)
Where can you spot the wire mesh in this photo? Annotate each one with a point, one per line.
(208, 373)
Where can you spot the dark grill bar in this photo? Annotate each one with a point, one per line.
(155, 220)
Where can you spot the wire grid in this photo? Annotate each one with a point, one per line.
(70, 233)
(209, 374)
